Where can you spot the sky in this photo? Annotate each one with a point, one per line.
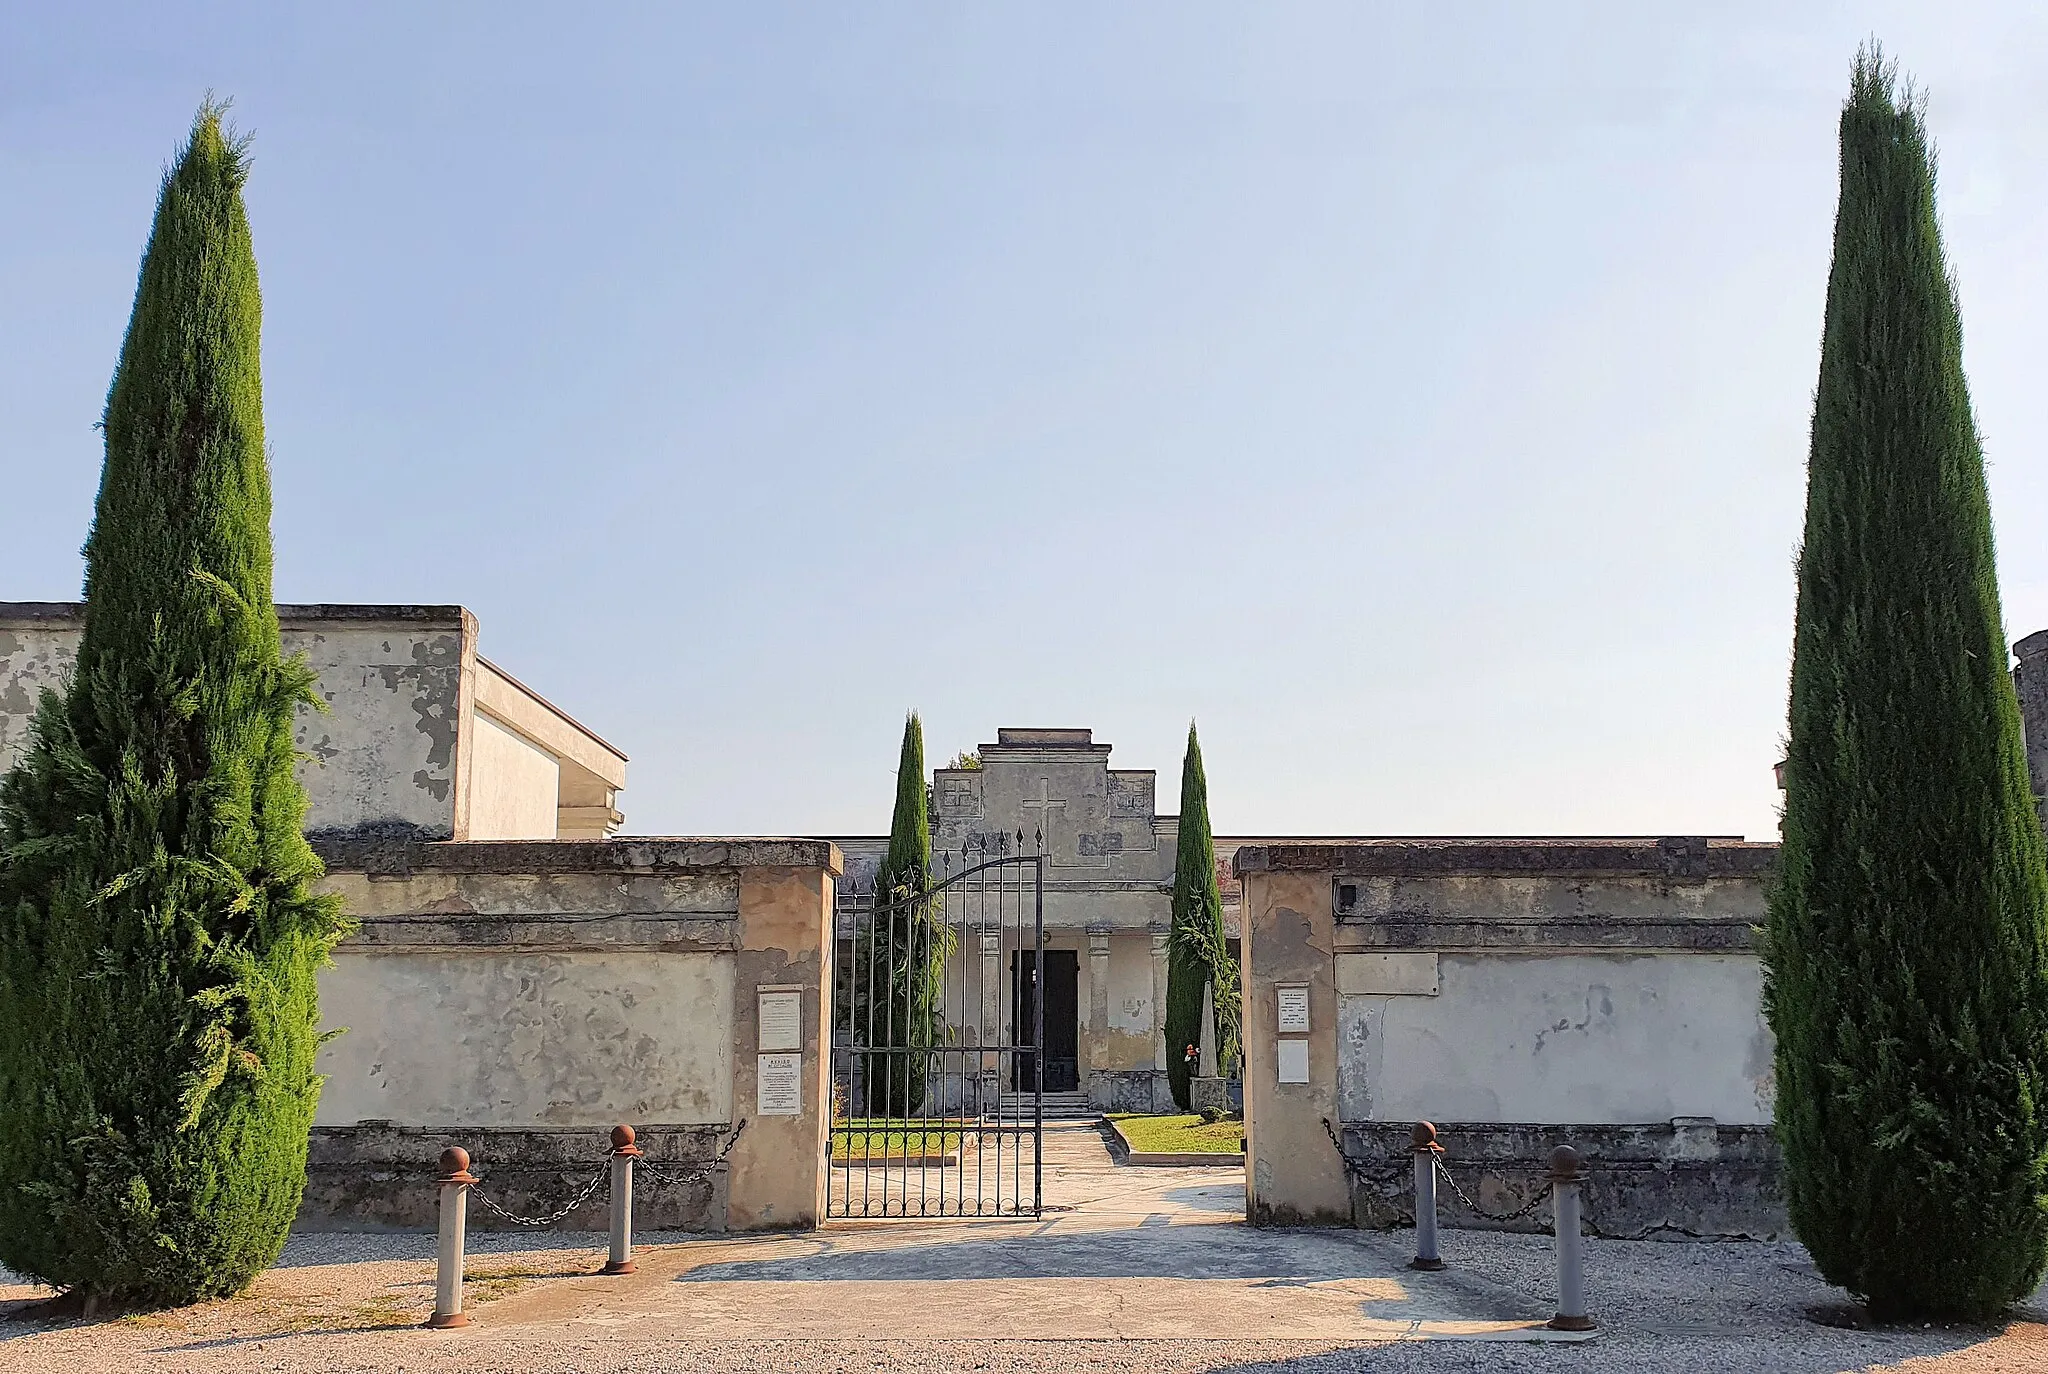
(1418, 403)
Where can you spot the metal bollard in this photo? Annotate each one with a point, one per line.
(1426, 1151)
(624, 1152)
(455, 1181)
(1567, 1174)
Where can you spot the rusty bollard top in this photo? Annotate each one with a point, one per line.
(622, 1140)
(1566, 1165)
(1424, 1136)
(455, 1165)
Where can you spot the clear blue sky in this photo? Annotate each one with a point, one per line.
(1420, 404)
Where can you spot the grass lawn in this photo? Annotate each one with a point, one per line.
(1179, 1134)
(857, 1140)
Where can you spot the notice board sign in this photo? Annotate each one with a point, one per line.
(779, 1085)
(1293, 1065)
(781, 1020)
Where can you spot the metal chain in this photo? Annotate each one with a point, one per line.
(1541, 1196)
(1356, 1170)
(694, 1173)
(589, 1189)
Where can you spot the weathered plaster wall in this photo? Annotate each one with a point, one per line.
(514, 786)
(1130, 994)
(36, 655)
(407, 742)
(528, 1038)
(1567, 1038)
(1518, 993)
(385, 753)
(521, 997)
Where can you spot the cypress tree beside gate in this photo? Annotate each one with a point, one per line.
(1197, 954)
(908, 947)
(1908, 940)
(159, 932)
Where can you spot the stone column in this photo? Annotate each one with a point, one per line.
(1098, 997)
(991, 1028)
(993, 987)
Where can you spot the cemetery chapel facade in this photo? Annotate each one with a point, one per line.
(1107, 899)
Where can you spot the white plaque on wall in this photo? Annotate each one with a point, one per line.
(782, 1021)
(1294, 1061)
(779, 1085)
(1293, 1010)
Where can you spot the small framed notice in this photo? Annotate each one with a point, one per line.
(1293, 1016)
(1293, 1061)
(779, 1085)
(781, 1021)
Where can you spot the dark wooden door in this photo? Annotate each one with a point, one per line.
(1060, 987)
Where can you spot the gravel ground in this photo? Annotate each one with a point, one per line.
(351, 1302)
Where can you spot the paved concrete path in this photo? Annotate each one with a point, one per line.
(1121, 1253)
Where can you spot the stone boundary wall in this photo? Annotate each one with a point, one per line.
(1130, 1090)
(1520, 994)
(1683, 1180)
(519, 998)
(374, 1175)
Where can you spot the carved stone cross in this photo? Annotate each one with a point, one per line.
(1045, 804)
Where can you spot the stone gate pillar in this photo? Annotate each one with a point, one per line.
(1293, 1173)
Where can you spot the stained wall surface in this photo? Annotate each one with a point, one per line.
(528, 1038)
(418, 734)
(1565, 1038)
(1606, 987)
(384, 753)
(522, 997)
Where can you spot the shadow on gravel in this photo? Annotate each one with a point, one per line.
(1219, 1198)
(272, 1338)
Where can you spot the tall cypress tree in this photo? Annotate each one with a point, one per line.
(159, 931)
(907, 946)
(1197, 951)
(1908, 940)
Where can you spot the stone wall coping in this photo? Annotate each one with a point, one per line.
(1588, 933)
(30, 614)
(399, 856)
(1692, 856)
(2035, 643)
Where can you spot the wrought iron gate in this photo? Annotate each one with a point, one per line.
(937, 1078)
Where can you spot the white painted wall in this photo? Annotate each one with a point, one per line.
(547, 1038)
(1573, 1038)
(513, 785)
